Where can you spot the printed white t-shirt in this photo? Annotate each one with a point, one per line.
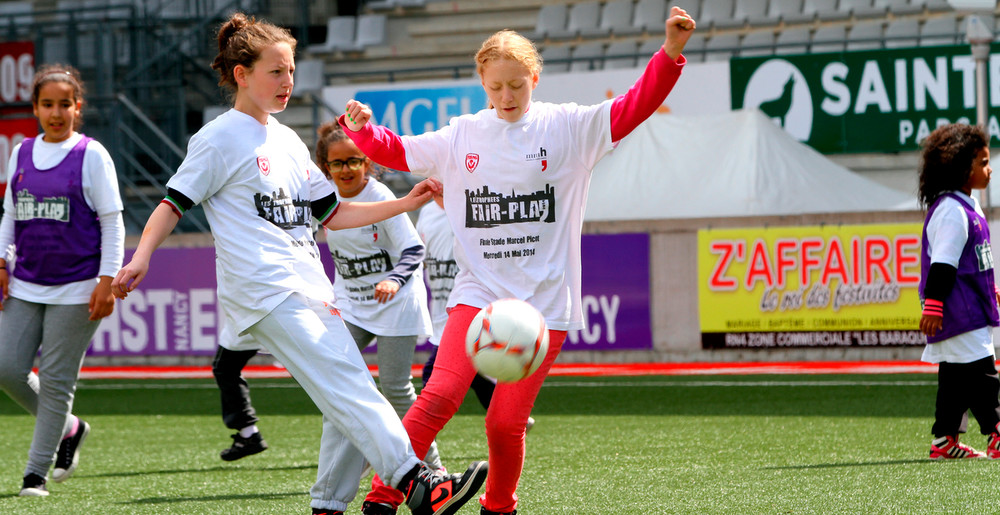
(515, 194)
(364, 257)
(99, 181)
(256, 183)
(947, 233)
(439, 265)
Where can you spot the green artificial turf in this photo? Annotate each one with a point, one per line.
(640, 445)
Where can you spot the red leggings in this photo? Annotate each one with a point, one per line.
(505, 419)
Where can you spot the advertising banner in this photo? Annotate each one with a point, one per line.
(816, 286)
(17, 70)
(867, 101)
(175, 310)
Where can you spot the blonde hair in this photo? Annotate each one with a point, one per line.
(507, 44)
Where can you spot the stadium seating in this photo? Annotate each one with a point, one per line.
(940, 30)
(582, 21)
(616, 18)
(339, 35)
(900, 7)
(902, 32)
(793, 40)
(862, 8)
(721, 47)
(866, 35)
(824, 10)
(650, 15)
(788, 11)
(370, 30)
(757, 43)
(752, 12)
(555, 59)
(829, 38)
(718, 14)
(620, 55)
(587, 57)
(609, 34)
(551, 19)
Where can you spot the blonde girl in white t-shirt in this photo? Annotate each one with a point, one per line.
(379, 282)
(516, 177)
(260, 190)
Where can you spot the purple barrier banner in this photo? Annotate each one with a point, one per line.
(174, 311)
(615, 294)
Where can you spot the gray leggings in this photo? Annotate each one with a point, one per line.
(395, 359)
(63, 333)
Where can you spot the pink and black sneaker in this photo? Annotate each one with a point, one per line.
(948, 448)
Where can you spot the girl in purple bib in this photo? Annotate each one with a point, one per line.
(957, 289)
(63, 218)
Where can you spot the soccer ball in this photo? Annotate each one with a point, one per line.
(507, 340)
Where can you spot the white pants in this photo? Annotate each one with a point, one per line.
(309, 338)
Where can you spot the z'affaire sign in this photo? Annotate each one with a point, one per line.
(816, 286)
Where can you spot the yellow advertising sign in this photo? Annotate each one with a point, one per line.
(843, 285)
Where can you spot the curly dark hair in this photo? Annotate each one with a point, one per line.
(947, 158)
(241, 40)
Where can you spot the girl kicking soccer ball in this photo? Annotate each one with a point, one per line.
(260, 191)
(957, 289)
(516, 178)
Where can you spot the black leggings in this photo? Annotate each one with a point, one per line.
(966, 387)
(227, 367)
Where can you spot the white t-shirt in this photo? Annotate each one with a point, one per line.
(100, 189)
(364, 257)
(439, 265)
(947, 233)
(515, 195)
(256, 183)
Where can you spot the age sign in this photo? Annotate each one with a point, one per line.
(416, 111)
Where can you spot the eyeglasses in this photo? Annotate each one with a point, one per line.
(353, 163)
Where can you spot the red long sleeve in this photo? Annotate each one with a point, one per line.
(647, 94)
(379, 144)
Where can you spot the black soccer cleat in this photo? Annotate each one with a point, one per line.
(431, 493)
(243, 447)
(68, 454)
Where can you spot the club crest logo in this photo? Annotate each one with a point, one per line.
(264, 165)
(471, 162)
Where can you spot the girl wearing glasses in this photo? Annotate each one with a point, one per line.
(379, 283)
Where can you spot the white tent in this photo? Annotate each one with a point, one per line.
(733, 164)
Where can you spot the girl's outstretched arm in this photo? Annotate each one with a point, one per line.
(358, 214)
(160, 224)
(677, 29)
(658, 79)
(378, 143)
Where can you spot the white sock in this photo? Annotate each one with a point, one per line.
(248, 431)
